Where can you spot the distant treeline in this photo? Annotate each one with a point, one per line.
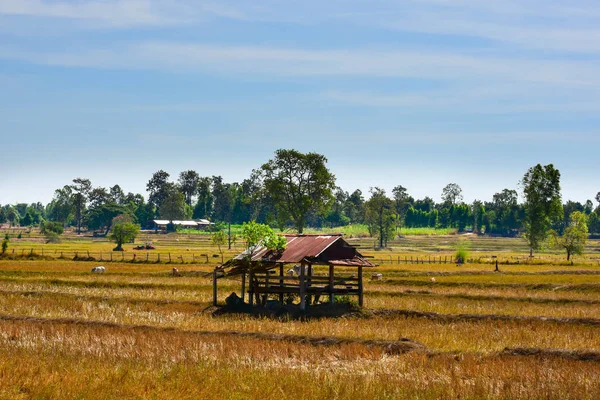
(292, 190)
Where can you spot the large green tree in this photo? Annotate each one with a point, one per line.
(541, 188)
(174, 207)
(380, 216)
(575, 235)
(452, 194)
(123, 231)
(81, 189)
(298, 185)
(158, 186)
(188, 182)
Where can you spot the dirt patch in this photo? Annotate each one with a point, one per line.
(552, 353)
(479, 317)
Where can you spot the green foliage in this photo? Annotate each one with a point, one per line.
(256, 235)
(541, 186)
(51, 227)
(123, 232)
(380, 216)
(462, 251)
(173, 207)
(575, 235)
(4, 245)
(219, 238)
(298, 184)
(101, 217)
(452, 194)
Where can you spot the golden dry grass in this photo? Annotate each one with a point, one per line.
(137, 332)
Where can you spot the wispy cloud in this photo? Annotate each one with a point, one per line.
(278, 61)
(120, 13)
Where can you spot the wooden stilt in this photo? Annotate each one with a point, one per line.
(302, 288)
(360, 286)
(250, 288)
(281, 282)
(243, 286)
(331, 296)
(215, 287)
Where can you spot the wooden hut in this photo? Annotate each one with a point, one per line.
(266, 272)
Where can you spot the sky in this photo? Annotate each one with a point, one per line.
(418, 93)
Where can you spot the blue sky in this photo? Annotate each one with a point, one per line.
(417, 92)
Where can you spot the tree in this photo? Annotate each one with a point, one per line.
(12, 215)
(380, 216)
(188, 182)
(575, 235)
(402, 201)
(204, 205)
(98, 197)
(123, 232)
(541, 187)
(158, 187)
(256, 235)
(222, 199)
(117, 195)
(81, 188)
(452, 194)
(219, 239)
(51, 230)
(598, 197)
(173, 207)
(478, 213)
(101, 217)
(298, 184)
(354, 207)
(61, 208)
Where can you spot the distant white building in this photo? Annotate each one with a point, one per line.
(198, 224)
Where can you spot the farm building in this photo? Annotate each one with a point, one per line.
(161, 224)
(266, 272)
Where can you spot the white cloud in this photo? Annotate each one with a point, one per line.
(120, 13)
(262, 61)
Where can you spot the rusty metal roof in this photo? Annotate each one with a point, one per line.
(312, 249)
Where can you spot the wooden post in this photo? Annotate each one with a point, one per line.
(281, 283)
(360, 286)
(302, 288)
(250, 289)
(243, 286)
(215, 287)
(309, 282)
(109, 253)
(331, 296)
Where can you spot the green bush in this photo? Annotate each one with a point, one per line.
(4, 245)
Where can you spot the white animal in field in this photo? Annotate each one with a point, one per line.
(290, 272)
(296, 270)
(377, 276)
(432, 279)
(175, 272)
(99, 270)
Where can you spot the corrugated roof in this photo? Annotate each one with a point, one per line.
(309, 248)
(175, 222)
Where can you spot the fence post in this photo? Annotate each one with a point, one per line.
(158, 260)
(111, 257)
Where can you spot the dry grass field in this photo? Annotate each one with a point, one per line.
(528, 331)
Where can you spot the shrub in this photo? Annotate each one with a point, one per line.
(461, 252)
(4, 245)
